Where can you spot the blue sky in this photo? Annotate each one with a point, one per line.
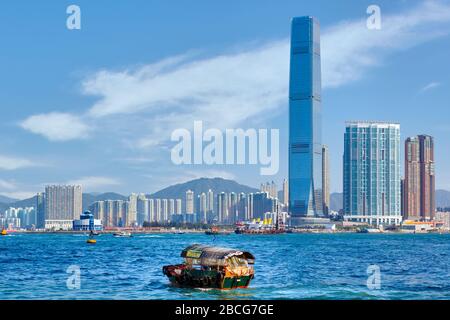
(97, 106)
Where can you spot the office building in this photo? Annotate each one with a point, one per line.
(305, 142)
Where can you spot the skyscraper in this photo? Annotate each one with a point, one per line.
(178, 209)
(419, 184)
(325, 180)
(151, 210)
(202, 208)
(372, 173)
(158, 215)
(285, 192)
(164, 210)
(108, 220)
(141, 209)
(131, 214)
(210, 204)
(232, 208)
(305, 143)
(171, 207)
(222, 207)
(190, 202)
(40, 210)
(63, 204)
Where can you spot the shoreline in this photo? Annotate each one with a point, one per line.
(193, 231)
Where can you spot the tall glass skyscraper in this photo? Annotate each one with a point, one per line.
(305, 142)
(372, 173)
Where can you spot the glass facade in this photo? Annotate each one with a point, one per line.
(372, 173)
(305, 145)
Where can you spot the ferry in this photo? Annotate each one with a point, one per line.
(212, 267)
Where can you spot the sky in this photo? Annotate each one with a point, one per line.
(97, 106)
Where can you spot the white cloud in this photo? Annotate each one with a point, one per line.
(243, 88)
(230, 89)
(20, 195)
(56, 126)
(7, 185)
(13, 163)
(94, 183)
(11, 189)
(429, 86)
(181, 176)
(349, 49)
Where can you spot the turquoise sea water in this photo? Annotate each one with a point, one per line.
(290, 266)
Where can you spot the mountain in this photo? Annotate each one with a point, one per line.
(217, 185)
(88, 199)
(177, 191)
(442, 199)
(4, 199)
(336, 203)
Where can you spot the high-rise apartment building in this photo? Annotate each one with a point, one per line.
(202, 208)
(141, 209)
(190, 202)
(63, 204)
(40, 210)
(131, 214)
(178, 206)
(372, 173)
(419, 183)
(305, 142)
(222, 207)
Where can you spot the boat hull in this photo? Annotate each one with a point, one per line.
(181, 276)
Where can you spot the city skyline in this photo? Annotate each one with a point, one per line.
(104, 153)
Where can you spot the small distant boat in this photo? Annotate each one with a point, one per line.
(123, 234)
(212, 267)
(369, 230)
(215, 231)
(91, 239)
(4, 232)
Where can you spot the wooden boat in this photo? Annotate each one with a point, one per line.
(212, 267)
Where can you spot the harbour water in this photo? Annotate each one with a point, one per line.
(288, 266)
